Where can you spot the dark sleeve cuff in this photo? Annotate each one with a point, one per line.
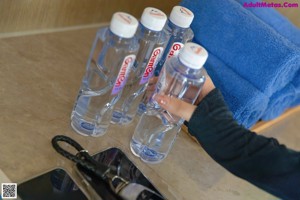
(255, 158)
(212, 114)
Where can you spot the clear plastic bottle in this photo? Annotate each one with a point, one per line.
(179, 31)
(181, 77)
(112, 55)
(152, 41)
(178, 27)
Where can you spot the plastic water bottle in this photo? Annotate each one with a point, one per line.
(112, 55)
(181, 77)
(152, 41)
(178, 26)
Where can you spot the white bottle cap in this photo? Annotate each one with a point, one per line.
(193, 55)
(123, 25)
(153, 19)
(181, 16)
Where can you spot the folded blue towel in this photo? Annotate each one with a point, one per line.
(245, 101)
(296, 84)
(245, 43)
(286, 98)
(290, 95)
(280, 101)
(296, 102)
(277, 21)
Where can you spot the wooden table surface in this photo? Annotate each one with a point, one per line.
(39, 79)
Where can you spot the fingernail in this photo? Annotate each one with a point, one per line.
(163, 102)
(160, 99)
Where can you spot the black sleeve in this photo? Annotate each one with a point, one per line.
(258, 159)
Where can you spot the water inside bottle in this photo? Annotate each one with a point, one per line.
(153, 137)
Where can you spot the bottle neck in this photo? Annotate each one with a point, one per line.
(175, 27)
(147, 33)
(183, 68)
(117, 39)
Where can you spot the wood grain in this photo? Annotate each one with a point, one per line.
(35, 15)
(263, 125)
(293, 14)
(28, 15)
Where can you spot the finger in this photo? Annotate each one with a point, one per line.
(150, 87)
(207, 88)
(151, 84)
(153, 80)
(175, 106)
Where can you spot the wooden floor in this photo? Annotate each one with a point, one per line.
(292, 13)
(263, 125)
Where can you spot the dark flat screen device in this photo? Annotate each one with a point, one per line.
(53, 185)
(125, 169)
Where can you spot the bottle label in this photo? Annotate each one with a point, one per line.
(174, 49)
(149, 70)
(87, 126)
(123, 74)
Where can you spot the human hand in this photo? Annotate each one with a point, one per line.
(151, 84)
(207, 88)
(179, 107)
